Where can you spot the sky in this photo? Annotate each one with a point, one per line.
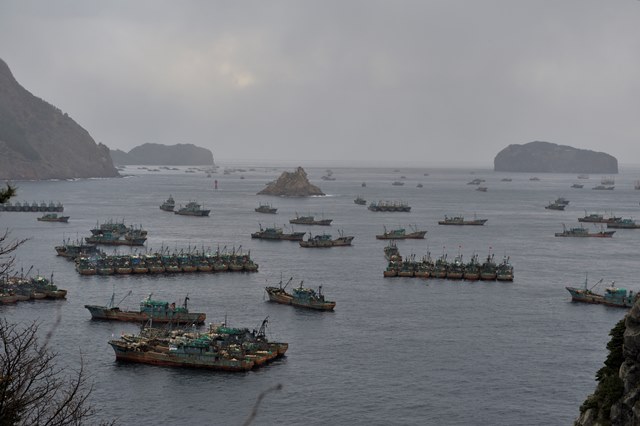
(432, 82)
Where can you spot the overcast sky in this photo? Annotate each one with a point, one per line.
(432, 82)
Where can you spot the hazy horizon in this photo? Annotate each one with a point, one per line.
(361, 82)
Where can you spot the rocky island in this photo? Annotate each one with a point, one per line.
(541, 157)
(38, 141)
(292, 184)
(155, 154)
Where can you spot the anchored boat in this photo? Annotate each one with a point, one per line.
(192, 209)
(583, 232)
(613, 296)
(221, 348)
(459, 220)
(266, 208)
(325, 240)
(623, 224)
(310, 220)
(168, 205)
(300, 297)
(150, 310)
(275, 233)
(53, 217)
(401, 234)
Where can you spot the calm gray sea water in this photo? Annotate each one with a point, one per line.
(395, 351)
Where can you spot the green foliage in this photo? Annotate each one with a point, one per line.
(611, 387)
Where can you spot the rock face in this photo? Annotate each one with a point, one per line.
(294, 184)
(540, 157)
(38, 141)
(620, 389)
(154, 154)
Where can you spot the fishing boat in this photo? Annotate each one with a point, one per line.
(115, 239)
(459, 220)
(472, 269)
(613, 296)
(31, 207)
(8, 298)
(389, 206)
(72, 250)
(608, 181)
(279, 294)
(274, 233)
(168, 205)
(476, 181)
(482, 189)
(360, 201)
(401, 234)
(214, 350)
(577, 186)
(455, 270)
(40, 284)
(114, 227)
(397, 183)
(623, 224)
(300, 297)
(310, 220)
(150, 310)
(440, 267)
(325, 240)
(598, 218)
(603, 188)
(555, 206)
(266, 208)
(583, 232)
(391, 271)
(53, 217)
(504, 271)
(488, 269)
(193, 209)
(391, 251)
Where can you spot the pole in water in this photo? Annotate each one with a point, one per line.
(215, 184)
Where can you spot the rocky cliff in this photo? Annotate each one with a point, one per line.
(540, 157)
(154, 154)
(616, 400)
(38, 141)
(292, 184)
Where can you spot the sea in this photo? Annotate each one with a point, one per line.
(396, 351)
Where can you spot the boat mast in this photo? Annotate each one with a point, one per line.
(285, 286)
(263, 327)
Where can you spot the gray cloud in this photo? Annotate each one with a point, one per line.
(421, 81)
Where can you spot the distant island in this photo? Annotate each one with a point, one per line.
(38, 141)
(541, 157)
(292, 184)
(155, 154)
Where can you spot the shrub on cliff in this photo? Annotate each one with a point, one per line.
(610, 386)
